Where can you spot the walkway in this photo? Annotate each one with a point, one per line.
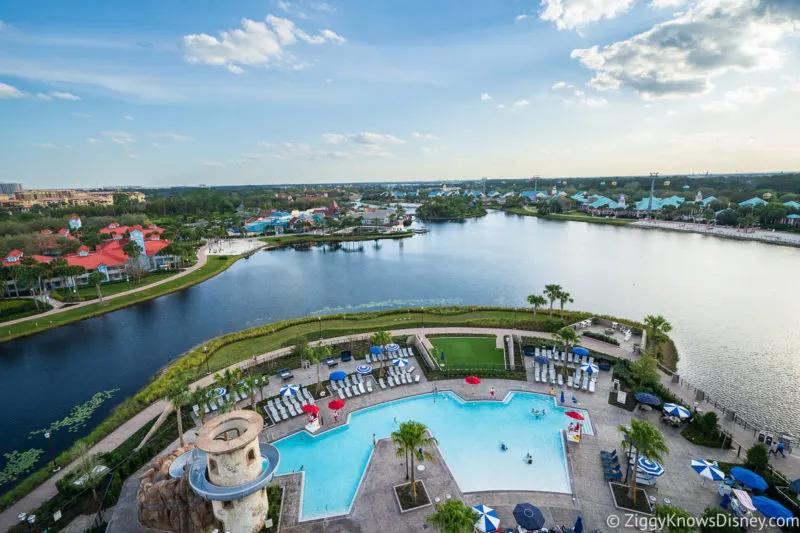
(760, 235)
(201, 260)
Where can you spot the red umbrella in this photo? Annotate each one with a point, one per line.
(310, 409)
(336, 404)
(473, 380)
(575, 415)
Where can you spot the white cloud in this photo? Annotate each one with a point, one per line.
(119, 137)
(521, 103)
(256, 43)
(593, 102)
(82, 115)
(579, 93)
(430, 150)
(425, 136)
(569, 14)
(291, 9)
(659, 4)
(501, 106)
(520, 18)
(129, 117)
(133, 156)
(732, 100)
(155, 145)
(64, 96)
(43, 96)
(47, 146)
(213, 164)
(172, 136)
(264, 144)
(561, 85)
(485, 97)
(681, 57)
(7, 91)
(251, 155)
(3, 25)
(366, 138)
(92, 140)
(323, 6)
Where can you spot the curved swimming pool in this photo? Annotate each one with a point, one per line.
(469, 435)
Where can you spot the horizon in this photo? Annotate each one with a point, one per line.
(311, 92)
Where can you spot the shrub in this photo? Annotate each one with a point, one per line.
(601, 337)
(707, 424)
(719, 519)
(675, 518)
(757, 458)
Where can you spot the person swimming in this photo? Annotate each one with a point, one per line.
(542, 411)
(537, 413)
(503, 447)
(529, 458)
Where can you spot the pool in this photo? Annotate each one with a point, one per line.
(469, 435)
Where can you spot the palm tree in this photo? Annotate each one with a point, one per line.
(410, 438)
(228, 380)
(551, 292)
(646, 441)
(96, 278)
(454, 516)
(178, 395)
(199, 397)
(569, 338)
(316, 355)
(381, 338)
(657, 327)
(537, 301)
(564, 297)
(250, 384)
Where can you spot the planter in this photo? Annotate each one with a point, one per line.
(402, 493)
(619, 493)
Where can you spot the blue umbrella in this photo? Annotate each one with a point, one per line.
(338, 375)
(749, 478)
(488, 519)
(590, 368)
(541, 359)
(375, 350)
(562, 396)
(647, 398)
(674, 409)
(578, 527)
(651, 468)
(528, 516)
(289, 390)
(364, 369)
(795, 486)
(771, 508)
(401, 362)
(708, 470)
(580, 350)
(391, 348)
(442, 356)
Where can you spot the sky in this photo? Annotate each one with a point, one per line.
(154, 93)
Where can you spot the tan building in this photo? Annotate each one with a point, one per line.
(72, 197)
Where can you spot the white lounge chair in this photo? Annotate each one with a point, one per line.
(196, 410)
(355, 390)
(390, 381)
(369, 386)
(291, 411)
(347, 392)
(368, 358)
(585, 385)
(209, 407)
(341, 393)
(560, 380)
(591, 386)
(569, 381)
(411, 369)
(416, 378)
(536, 375)
(381, 383)
(284, 416)
(361, 388)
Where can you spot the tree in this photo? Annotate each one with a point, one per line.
(645, 371)
(316, 355)
(537, 301)
(381, 338)
(454, 516)
(132, 250)
(676, 520)
(228, 381)
(178, 395)
(717, 520)
(645, 441)
(657, 329)
(96, 278)
(564, 297)
(410, 439)
(757, 458)
(552, 292)
(569, 338)
(199, 397)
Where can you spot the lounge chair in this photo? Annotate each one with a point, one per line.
(390, 381)
(585, 385)
(369, 386)
(416, 378)
(196, 410)
(341, 393)
(411, 369)
(569, 381)
(355, 390)
(536, 375)
(612, 453)
(361, 388)
(368, 358)
(347, 392)
(291, 411)
(283, 414)
(560, 380)
(612, 476)
(220, 402)
(381, 383)
(591, 385)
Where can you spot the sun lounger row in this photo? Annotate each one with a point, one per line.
(285, 407)
(403, 352)
(401, 378)
(359, 387)
(218, 402)
(348, 381)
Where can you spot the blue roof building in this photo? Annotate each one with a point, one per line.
(531, 195)
(434, 194)
(706, 201)
(793, 217)
(753, 202)
(492, 194)
(579, 197)
(792, 205)
(603, 202)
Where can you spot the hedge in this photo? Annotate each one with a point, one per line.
(601, 337)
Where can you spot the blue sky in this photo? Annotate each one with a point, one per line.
(231, 92)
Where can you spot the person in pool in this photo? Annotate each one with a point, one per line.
(537, 413)
(503, 447)
(529, 458)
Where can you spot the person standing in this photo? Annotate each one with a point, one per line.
(491, 392)
(374, 440)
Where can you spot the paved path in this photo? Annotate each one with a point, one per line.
(760, 235)
(201, 260)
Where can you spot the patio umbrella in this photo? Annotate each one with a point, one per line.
(541, 359)
(401, 362)
(574, 414)
(580, 350)
(473, 380)
(707, 469)
(289, 390)
(748, 478)
(375, 350)
(488, 519)
(213, 393)
(391, 348)
(562, 396)
(339, 375)
(771, 508)
(578, 527)
(310, 409)
(335, 404)
(674, 409)
(648, 399)
(795, 486)
(590, 368)
(649, 467)
(528, 516)
(442, 356)
(364, 369)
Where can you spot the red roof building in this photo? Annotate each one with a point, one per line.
(13, 257)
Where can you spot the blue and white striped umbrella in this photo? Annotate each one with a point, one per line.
(590, 368)
(401, 362)
(707, 469)
(488, 519)
(289, 390)
(674, 409)
(651, 468)
(364, 369)
(391, 348)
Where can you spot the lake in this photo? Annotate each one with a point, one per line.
(733, 306)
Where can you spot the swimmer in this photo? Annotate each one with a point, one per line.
(537, 413)
(542, 412)
(503, 446)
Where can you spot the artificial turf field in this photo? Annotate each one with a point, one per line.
(468, 351)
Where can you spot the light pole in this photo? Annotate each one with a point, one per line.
(56, 468)
(205, 355)
(320, 327)
(423, 317)
(515, 318)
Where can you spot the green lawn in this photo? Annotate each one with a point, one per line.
(116, 287)
(14, 308)
(463, 352)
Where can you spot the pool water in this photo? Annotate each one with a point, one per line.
(469, 435)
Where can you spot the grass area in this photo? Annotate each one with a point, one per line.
(14, 308)
(110, 289)
(694, 436)
(588, 218)
(214, 266)
(469, 352)
(520, 211)
(288, 240)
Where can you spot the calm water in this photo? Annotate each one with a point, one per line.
(733, 305)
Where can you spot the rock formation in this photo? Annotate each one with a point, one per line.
(169, 504)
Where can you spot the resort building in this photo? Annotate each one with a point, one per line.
(753, 202)
(75, 222)
(792, 205)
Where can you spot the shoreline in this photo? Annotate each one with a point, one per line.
(289, 240)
